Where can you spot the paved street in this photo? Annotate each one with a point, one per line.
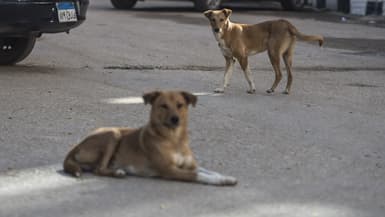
(317, 152)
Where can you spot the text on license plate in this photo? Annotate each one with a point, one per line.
(66, 12)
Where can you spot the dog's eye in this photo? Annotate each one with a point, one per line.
(213, 20)
(164, 106)
(221, 20)
(179, 105)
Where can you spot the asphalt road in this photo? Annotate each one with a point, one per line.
(317, 152)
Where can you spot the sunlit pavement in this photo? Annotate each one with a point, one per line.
(46, 191)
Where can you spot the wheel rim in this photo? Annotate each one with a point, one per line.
(15, 49)
(213, 3)
(8, 46)
(299, 2)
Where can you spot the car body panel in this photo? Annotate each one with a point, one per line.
(21, 17)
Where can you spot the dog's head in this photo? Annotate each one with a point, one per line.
(218, 18)
(169, 108)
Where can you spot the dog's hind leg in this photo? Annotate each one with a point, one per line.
(227, 75)
(275, 62)
(71, 166)
(243, 61)
(288, 59)
(103, 168)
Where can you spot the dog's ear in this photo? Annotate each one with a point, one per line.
(227, 12)
(189, 97)
(208, 13)
(150, 97)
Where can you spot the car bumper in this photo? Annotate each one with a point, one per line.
(37, 16)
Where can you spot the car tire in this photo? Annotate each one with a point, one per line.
(123, 4)
(202, 5)
(292, 4)
(15, 49)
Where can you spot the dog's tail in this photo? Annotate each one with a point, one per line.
(294, 31)
(70, 165)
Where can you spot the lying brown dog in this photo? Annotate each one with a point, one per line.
(238, 41)
(158, 149)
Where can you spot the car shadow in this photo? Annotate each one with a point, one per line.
(179, 13)
(189, 7)
(176, 11)
(28, 69)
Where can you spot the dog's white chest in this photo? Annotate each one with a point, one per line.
(226, 51)
(181, 160)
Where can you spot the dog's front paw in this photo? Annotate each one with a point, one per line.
(213, 178)
(219, 90)
(120, 173)
(286, 92)
(229, 180)
(270, 91)
(251, 91)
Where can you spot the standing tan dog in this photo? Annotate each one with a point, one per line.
(159, 149)
(238, 41)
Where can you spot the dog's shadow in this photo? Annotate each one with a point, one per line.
(85, 175)
(62, 173)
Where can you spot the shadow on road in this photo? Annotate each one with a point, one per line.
(316, 68)
(42, 192)
(30, 69)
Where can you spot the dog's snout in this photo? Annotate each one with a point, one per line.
(174, 120)
(216, 30)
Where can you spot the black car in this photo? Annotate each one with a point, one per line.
(22, 21)
(202, 5)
